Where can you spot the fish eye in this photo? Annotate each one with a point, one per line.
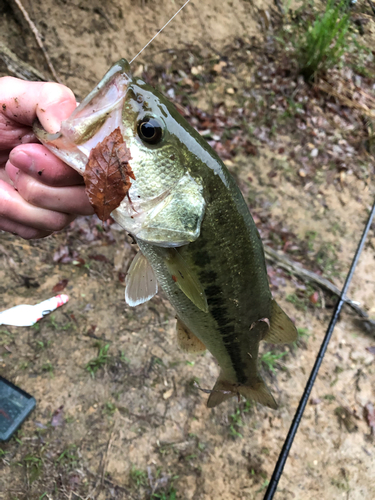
(150, 130)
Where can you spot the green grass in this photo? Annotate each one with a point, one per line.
(269, 359)
(324, 41)
(69, 457)
(165, 495)
(236, 420)
(48, 367)
(102, 359)
(34, 466)
(138, 477)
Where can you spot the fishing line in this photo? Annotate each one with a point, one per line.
(153, 38)
(314, 372)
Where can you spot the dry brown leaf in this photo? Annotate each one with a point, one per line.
(107, 174)
(59, 287)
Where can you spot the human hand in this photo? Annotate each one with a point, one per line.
(39, 194)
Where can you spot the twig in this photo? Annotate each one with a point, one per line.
(20, 68)
(38, 38)
(295, 268)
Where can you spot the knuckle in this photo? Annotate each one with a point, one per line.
(29, 191)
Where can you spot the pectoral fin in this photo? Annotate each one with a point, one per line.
(282, 330)
(187, 340)
(185, 279)
(257, 391)
(141, 283)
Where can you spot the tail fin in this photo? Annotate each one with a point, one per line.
(224, 390)
(258, 392)
(221, 391)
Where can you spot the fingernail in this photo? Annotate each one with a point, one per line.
(12, 172)
(55, 113)
(20, 159)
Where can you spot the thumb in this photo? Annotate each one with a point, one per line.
(56, 103)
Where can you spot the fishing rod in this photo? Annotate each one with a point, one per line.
(279, 467)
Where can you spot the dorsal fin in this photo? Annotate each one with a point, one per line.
(141, 283)
(282, 329)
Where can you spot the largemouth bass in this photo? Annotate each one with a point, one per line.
(195, 233)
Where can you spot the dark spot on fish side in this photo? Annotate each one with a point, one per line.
(212, 291)
(172, 157)
(207, 276)
(201, 259)
(4, 107)
(40, 172)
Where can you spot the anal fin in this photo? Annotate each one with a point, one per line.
(141, 283)
(187, 340)
(282, 329)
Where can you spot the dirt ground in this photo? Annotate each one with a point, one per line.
(119, 414)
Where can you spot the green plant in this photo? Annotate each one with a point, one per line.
(300, 304)
(110, 408)
(236, 421)
(138, 477)
(34, 467)
(323, 42)
(68, 457)
(269, 359)
(102, 358)
(48, 367)
(168, 495)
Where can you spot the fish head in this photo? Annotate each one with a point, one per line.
(165, 203)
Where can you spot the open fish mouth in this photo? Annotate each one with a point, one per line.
(95, 118)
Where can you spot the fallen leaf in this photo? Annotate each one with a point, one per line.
(314, 297)
(371, 349)
(107, 174)
(59, 287)
(168, 394)
(99, 257)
